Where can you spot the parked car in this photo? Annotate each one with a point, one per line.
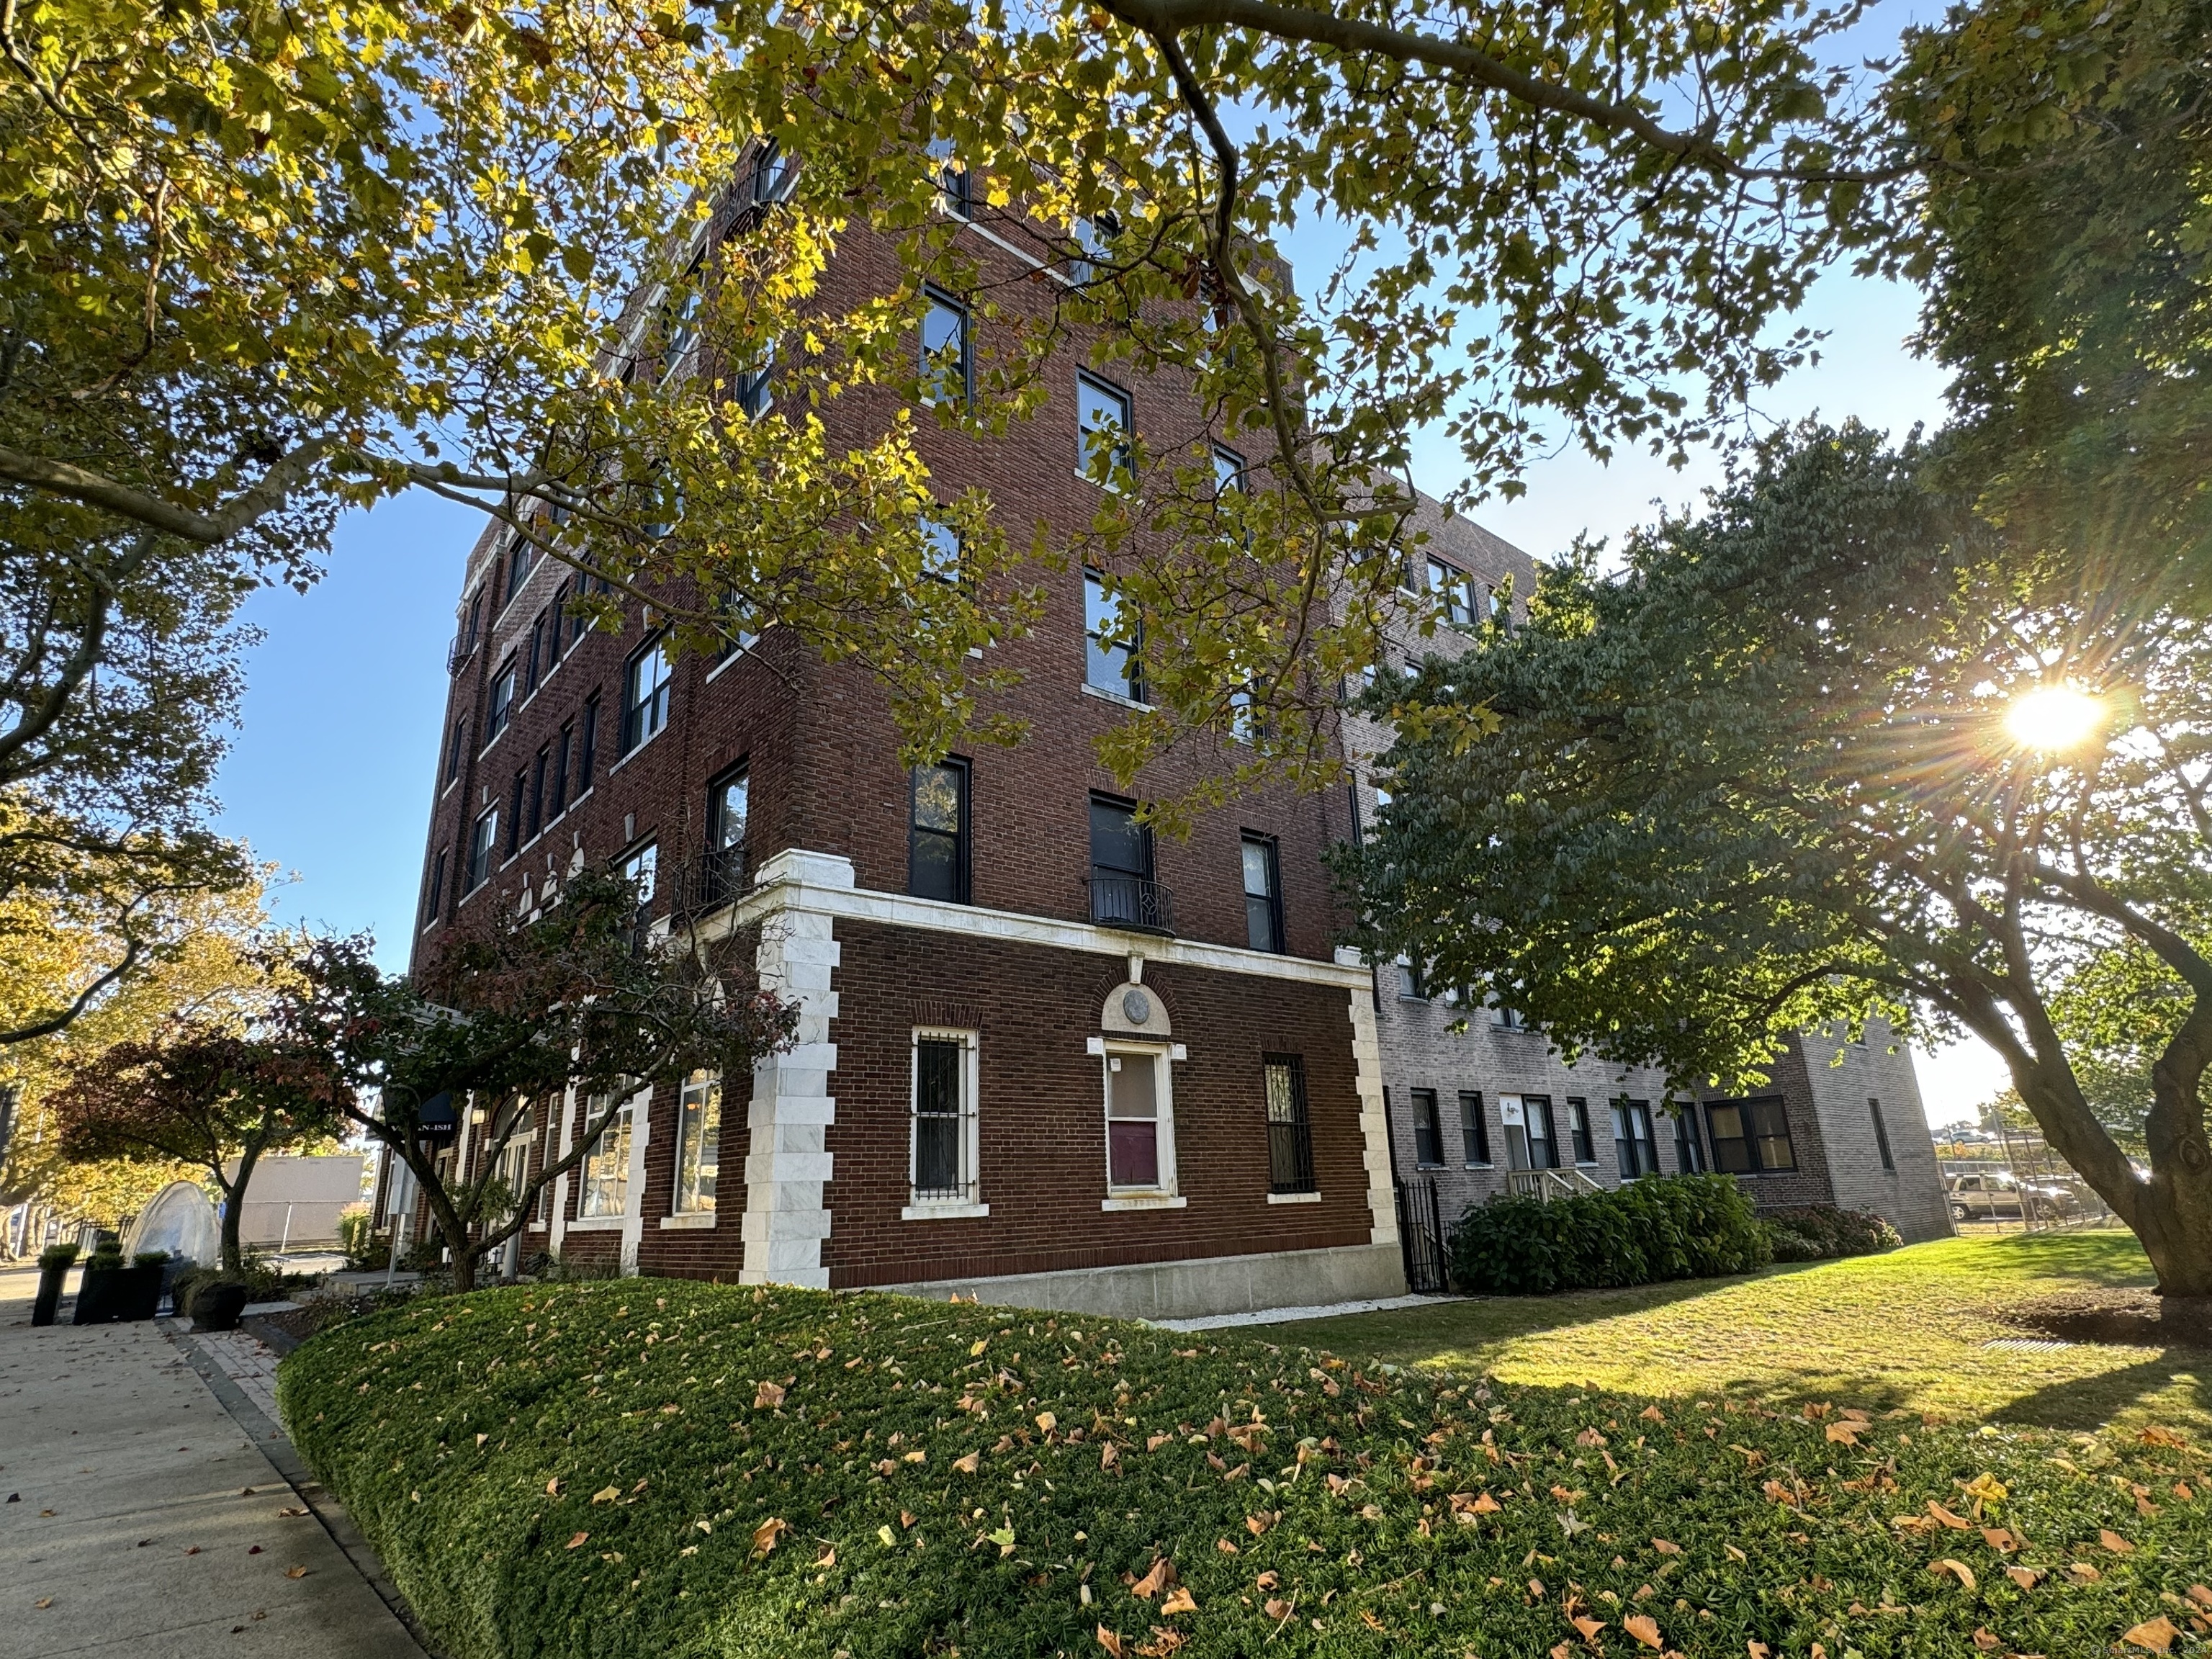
(1998, 1196)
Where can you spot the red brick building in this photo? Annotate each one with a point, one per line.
(1044, 1055)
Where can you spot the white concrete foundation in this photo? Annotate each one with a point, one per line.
(1191, 1289)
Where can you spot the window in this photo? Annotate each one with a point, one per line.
(1750, 1137)
(698, 1143)
(736, 622)
(1473, 1129)
(1410, 986)
(645, 695)
(1139, 1137)
(1428, 1129)
(1094, 238)
(641, 869)
(538, 769)
(1543, 1145)
(774, 174)
(1103, 453)
(501, 707)
(536, 660)
(679, 315)
(454, 751)
(1112, 660)
(1263, 898)
(943, 1153)
(1578, 1130)
(1290, 1135)
(937, 839)
(1120, 863)
(514, 794)
(728, 801)
(482, 839)
(755, 387)
(476, 620)
(1881, 1134)
(555, 618)
(1689, 1145)
(520, 561)
(947, 369)
(557, 800)
(1449, 584)
(1505, 1018)
(588, 751)
(940, 550)
(1228, 472)
(1632, 1138)
(437, 895)
(956, 185)
(605, 1186)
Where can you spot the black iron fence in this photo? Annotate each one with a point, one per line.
(1132, 902)
(1421, 1236)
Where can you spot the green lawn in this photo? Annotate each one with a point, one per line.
(1904, 1330)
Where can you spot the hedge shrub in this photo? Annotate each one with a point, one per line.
(1659, 1227)
(679, 1470)
(1834, 1231)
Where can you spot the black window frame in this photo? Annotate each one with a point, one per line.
(659, 699)
(936, 299)
(1578, 1130)
(455, 751)
(1474, 1130)
(1635, 1147)
(962, 837)
(562, 744)
(1455, 586)
(483, 848)
(1141, 832)
(516, 791)
(1881, 1135)
(1754, 1116)
(1534, 1108)
(1271, 901)
(521, 560)
(1101, 648)
(1121, 465)
(435, 899)
(1690, 1157)
(499, 709)
(1289, 1125)
(939, 1123)
(587, 751)
(1428, 1129)
(540, 764)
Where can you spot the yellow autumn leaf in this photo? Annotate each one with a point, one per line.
(1047, 1422)
(2025, 1577)
(2156, 1634)
(1987, 1487)
(1841, 1433)
(1965, 1573)
(1111, 1640)
(607, 1494)
(968, 1464)
(1181, 1601)
(766, 1533)
(1151, 1583)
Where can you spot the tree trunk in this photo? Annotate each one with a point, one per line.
(233, 1204)
(2176, 1228)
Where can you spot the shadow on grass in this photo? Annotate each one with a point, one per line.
(2104, 1256)
(2089, 1401)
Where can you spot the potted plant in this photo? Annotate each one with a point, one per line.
(111, 1291)
(54, 1263)
(216, 1305)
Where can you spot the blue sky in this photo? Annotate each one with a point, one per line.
(329, 775)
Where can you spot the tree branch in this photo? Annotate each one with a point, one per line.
(206, 529)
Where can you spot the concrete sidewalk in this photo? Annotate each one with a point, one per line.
(137, 1518)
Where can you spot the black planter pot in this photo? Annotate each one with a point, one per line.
(51, 1279)
(216, 1306)
(111, 1295)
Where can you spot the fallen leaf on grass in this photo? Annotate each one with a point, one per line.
(2201, 1596)
(1756, 1649)
(1841, 1433)
(767, 1396)
(1277, 1609)
(2082, 1573)
(2156, 1634)
(1153, 1582)
(1956, 1522)
(2113, 1541)
(1666, 1548)
(1735, 1554)
(1987, 1487)
(1588, 1626)
(968, 1464)
(766, 1533)
(1047, 1422)
(578, 1540)
(2000, 1539)
(1111, 1640)
(1965, 1573)
(607, 1494)
(2025, 1577)
(1181, 1601)
(1644, 1628)
(2152, 1434)
(1987, 1640)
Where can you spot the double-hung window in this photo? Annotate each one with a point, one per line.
(755, 387)
(1263, 895)
(501, 708)
(1689, 1145)
(540, 770)
(1473, 1129)
(483, 840)
(956, 185)
(937, 838)
(514, 799)
(1114, 646)
(1750, 1137)
(943, 1150)
(519, 563)
(1103, 425)
(437, 895)
(1632, 1146)
(774, 174)
(1578, 1130)
(1094, 241)
(604, 1189)
(1289, 1133)
(556, 800)
(1448, 585)
(940, 550)
(948, 367)
(1543, 1144)
(729, 799)
(645, 694)
(588, 744)
(455, 750)
(1428, 1129)
(1139, 1125)
(698, 1143)
(1122, 890)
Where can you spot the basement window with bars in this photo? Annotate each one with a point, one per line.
(944, 1151)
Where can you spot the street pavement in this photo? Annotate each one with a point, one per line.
(137, 1517)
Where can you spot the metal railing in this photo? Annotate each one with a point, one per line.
(1132, 902)
(1545, 1185)
(458, 652)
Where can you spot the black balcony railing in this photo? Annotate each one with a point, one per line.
(456, 652)
(1132, 902)
(717, 878)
